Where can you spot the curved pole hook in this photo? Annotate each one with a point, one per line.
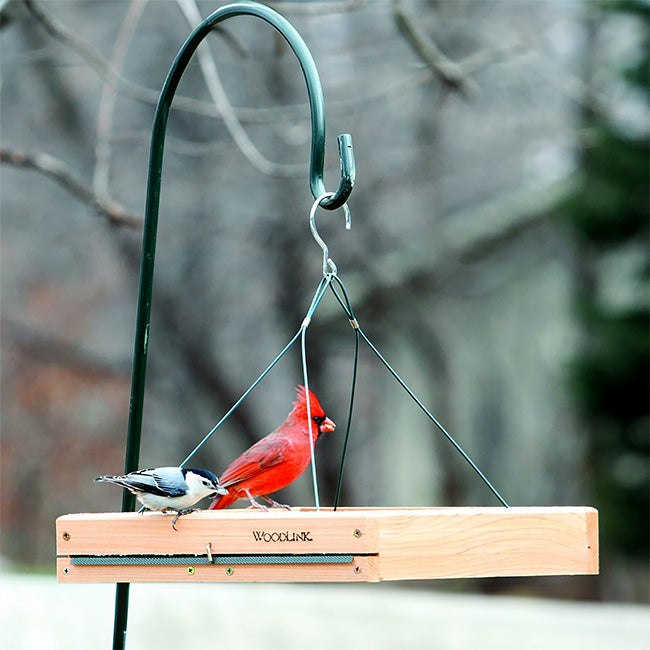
(329, 201)
(328, 263)
(314, 90)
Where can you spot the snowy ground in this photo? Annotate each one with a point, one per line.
(39, 614)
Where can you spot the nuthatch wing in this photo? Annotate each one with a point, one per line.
(169, 488)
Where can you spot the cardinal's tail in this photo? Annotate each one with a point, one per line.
(222, 501)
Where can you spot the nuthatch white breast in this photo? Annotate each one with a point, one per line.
(169, 488)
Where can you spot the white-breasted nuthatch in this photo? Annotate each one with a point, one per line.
(169, 488)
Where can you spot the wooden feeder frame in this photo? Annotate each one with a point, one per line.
(348, 545)
(303, 545)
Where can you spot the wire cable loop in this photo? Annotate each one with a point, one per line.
(333, 282)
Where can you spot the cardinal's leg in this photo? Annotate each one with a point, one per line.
(274, 504)
(255, 504)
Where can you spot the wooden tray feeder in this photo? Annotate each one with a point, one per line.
(304, 544)
(348, 545)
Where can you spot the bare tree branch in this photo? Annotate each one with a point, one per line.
(454, 73)
(47, 348)
(225, 109)
(320, 8)
(209, 376)
(70, 38)
(449, 72)
(500, 222)
(103, 67)
(109, 97)
(115, 213)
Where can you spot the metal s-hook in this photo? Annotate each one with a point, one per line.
(328, 263)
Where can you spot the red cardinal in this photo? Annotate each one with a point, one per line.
(276, 460)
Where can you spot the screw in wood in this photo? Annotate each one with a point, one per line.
(66, 536)
(357, 533)
(229, 571)
(191, 570)
(66, 570)
(357, 569)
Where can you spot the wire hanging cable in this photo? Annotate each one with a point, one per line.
(433, 419)
(345, 305)
(326, 283)
(305, 379)
(241, 399)
(318, 296)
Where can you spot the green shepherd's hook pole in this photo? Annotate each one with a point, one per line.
(338, 198)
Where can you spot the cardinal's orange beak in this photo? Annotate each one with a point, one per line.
(326, 426)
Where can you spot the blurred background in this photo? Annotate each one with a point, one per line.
(498, 256)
